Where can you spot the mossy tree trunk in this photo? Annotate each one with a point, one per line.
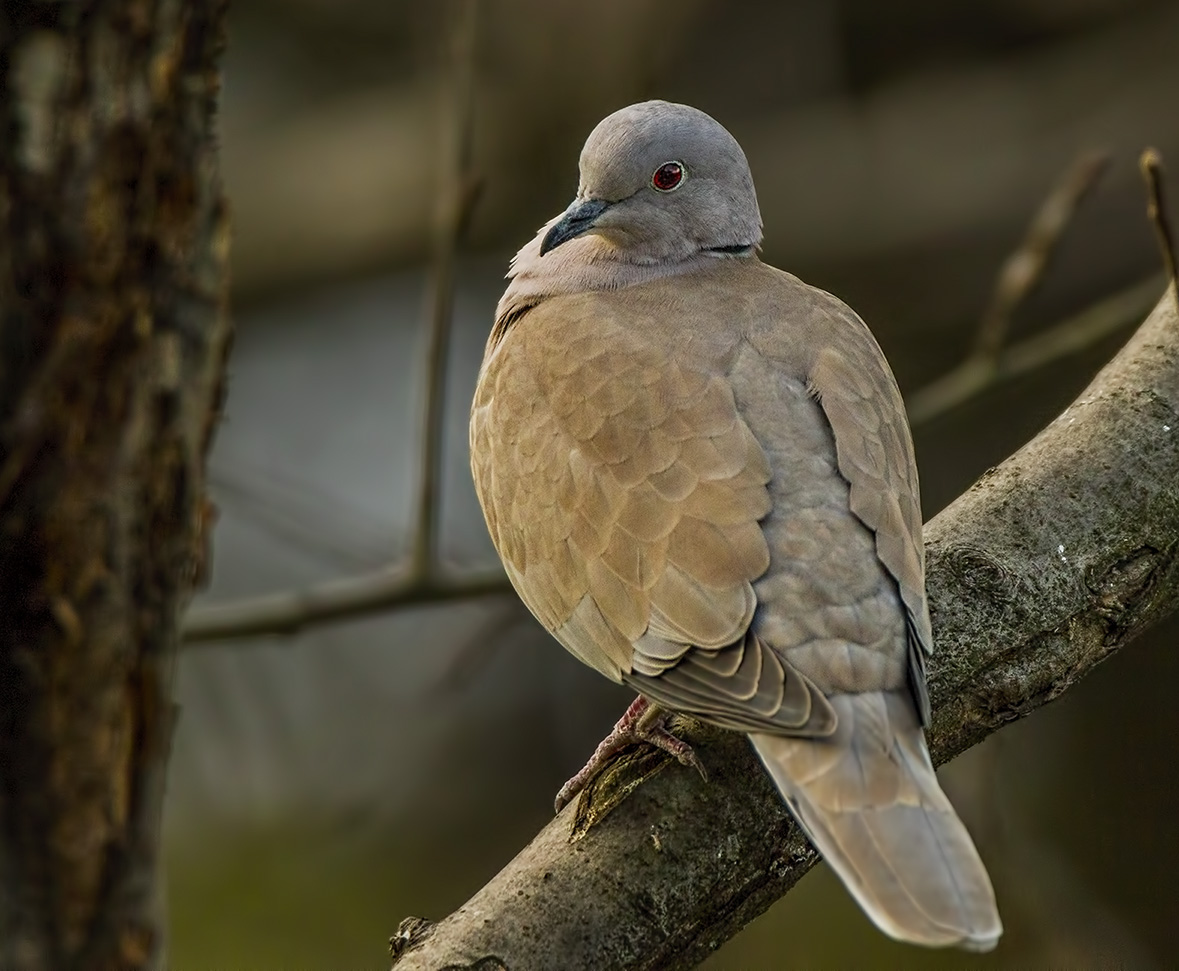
(113, 338)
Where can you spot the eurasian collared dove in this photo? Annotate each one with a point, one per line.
(698, 473)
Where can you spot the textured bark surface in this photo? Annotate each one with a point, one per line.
(113, 336)
(1041, 570)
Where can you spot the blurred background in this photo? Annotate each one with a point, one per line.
(326, 785)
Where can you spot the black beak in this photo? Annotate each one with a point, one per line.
(579, 218)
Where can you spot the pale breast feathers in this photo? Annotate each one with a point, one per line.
(623, 491)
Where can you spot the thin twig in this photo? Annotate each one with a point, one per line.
(1156, 209)
(1024, 269)
(975, 375)
(988, 363)
(291, 611)
(457, 195)
(417, 580)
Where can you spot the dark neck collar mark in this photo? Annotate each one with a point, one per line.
(504, 324)
(737, 249)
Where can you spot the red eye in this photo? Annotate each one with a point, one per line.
(668, 176)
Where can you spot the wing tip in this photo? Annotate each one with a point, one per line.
(913, 869)
(977, 938)
(978, 944)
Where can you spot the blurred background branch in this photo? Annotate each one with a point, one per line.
(983, 370)
(420, 579)
(457, 195)
(1024, 268)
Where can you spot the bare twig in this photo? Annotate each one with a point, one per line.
(1024, 269)
(987, 363)
(1156, 209)
(291, 611)
(975, 375)
(419, 580)
(458, 192)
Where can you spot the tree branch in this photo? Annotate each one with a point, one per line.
(976, 374)
(458, 192)
(1040, 571)
(420, 578)
(1023, 270)
(290, 611)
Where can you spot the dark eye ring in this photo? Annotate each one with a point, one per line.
(668, 176)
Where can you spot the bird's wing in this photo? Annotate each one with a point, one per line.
(874, 449)
(623, 491)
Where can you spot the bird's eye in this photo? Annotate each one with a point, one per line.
(668, 176)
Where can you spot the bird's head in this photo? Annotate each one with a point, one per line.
(661, 182)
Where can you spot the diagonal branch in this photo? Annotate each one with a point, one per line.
(1023, 270)
(987, 364)
(977, 374)
(1044, 568)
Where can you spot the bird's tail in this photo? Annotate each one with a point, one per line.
(869, 800)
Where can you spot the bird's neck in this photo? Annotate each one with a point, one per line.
(586, 264)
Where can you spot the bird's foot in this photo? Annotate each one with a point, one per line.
(642, 722)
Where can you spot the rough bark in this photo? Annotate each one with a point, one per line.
(113, 336)
(1040, 571)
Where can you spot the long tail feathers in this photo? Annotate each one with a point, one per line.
(869, 800)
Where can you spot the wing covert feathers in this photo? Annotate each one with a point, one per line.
(874, 450)
(745, 686)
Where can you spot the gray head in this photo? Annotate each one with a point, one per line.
(661, 182)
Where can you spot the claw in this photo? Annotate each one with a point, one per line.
(642, 722)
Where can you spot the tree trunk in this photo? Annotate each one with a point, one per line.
(113, 337)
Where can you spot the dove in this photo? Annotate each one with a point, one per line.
(698, 473)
